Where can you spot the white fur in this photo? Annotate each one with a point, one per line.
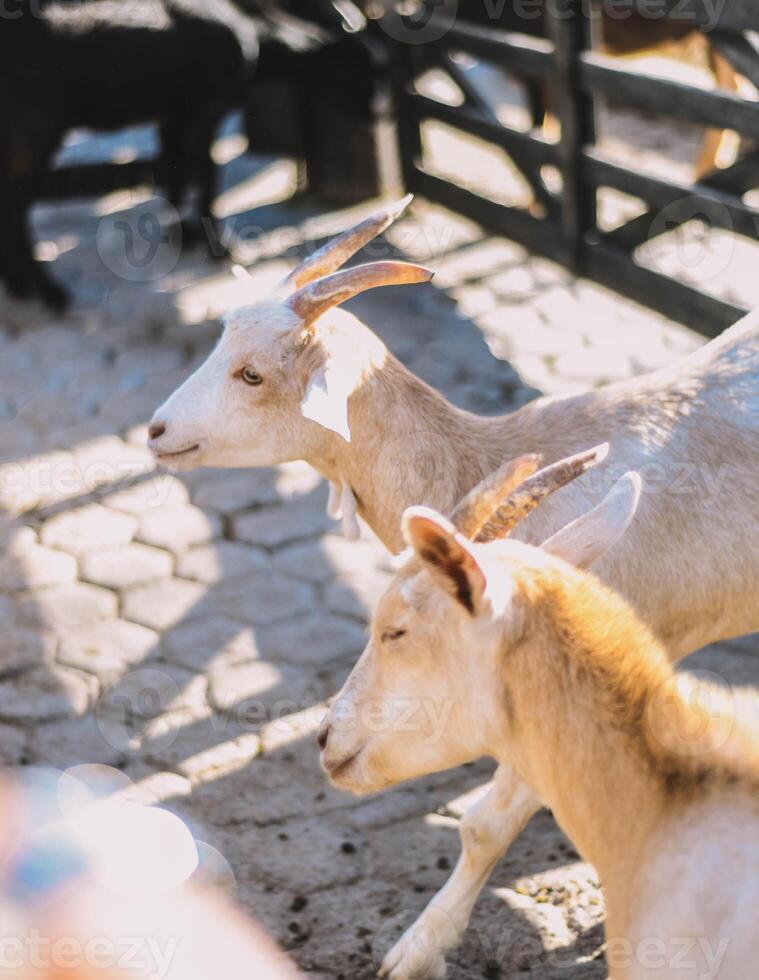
(326, 401)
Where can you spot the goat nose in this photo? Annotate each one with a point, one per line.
(322, 736)
(156, 430)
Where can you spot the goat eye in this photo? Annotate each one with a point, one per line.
(250, 377)
(393, 634)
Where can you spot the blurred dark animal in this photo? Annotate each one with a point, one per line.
(105, 65)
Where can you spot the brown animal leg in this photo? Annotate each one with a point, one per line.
(718, 144)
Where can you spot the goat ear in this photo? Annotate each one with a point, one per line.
(326, 399)
(446, 555)
(590, 537)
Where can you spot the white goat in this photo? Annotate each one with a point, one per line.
(294, 378)
(537, 664)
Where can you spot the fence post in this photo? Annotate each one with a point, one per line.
(569, 29)
(408, 134)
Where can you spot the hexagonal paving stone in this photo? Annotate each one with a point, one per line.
(23, 443)
(109, 460)
(356, 594)
(152, 689)
(7, 611)
(174, 737)
(150, 359)
(45, 694)
(36, 568)
(330, 555)
(107, 647)
(274, 526)
(298, 479)
(15, 538)
(178, 528)
(81, 530)
(221, 561)
(163, 603)
(228, 491)
(255, 692)
(76, 741)
(295, 731)
(159, 492)
(23, 647)
(316, 639)
(152, 788)
(66, 606)
(210, 751)
(149, 708)
(12, 745)
(260, 598)
(38, 480)
(305, 559)
(198, 645)
(120, 568)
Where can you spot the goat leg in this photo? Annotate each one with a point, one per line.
(487, 831)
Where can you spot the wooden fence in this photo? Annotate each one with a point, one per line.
(576, 76)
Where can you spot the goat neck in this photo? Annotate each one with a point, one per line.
(408, 444)
(578, 692)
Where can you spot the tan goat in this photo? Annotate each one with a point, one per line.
(537, 664)
(293, 378)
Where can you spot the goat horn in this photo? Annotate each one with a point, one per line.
(473, 511)
(318, 297)
(335, 253)
(536, 488)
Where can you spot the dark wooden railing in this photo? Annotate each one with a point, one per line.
(576, 76)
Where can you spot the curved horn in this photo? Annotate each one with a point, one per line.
(536, 488)
(318, 297)
(475, 509)
(335, 253)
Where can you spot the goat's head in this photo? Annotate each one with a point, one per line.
(425, 695)
(279, 380)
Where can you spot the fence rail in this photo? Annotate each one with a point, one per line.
(576, 76)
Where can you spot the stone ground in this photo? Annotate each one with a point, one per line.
(189, 629)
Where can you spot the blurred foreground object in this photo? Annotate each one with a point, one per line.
(94, 885)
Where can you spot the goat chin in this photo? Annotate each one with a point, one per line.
(177, 462)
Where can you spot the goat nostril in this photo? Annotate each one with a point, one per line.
(322, 737)
(156, 430)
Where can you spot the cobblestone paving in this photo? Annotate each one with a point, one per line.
(188, 630)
